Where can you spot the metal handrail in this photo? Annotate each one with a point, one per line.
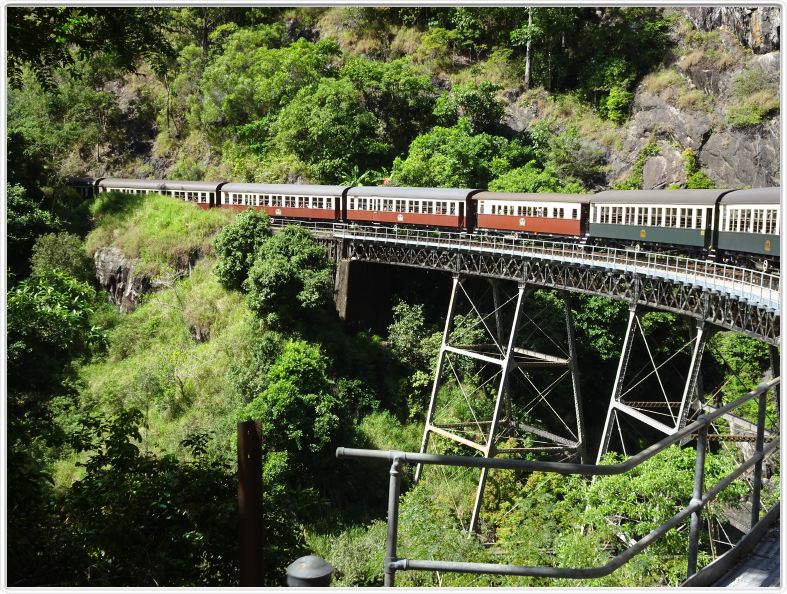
(743, 282)
(693, 509)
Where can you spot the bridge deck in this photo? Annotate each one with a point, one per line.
(758, 569)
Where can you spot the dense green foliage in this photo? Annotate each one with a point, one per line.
(64, 252)
(456, 158)
(290, 276)
(121, 427)
(236, 247)
(26, 221)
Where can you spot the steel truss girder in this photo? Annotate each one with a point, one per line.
(716, 308)
(509, 358)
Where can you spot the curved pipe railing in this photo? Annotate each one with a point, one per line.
(693, 509)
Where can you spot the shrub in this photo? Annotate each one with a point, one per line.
(477, 102)
(291, 275)
(758, 98)
(616, 105)
(64, 252)
(236, 246)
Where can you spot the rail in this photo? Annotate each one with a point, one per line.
(753, 286)
(698, 501)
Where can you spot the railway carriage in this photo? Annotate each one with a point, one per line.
(674, 218)
(285, 200)
(750, 222)
(434, 207)
(547, 214)
(203, 194)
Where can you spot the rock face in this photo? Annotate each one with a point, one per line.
(748, 157)
(664, 169)
(756, 28)
(115, 273)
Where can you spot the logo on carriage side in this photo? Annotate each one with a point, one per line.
(643, 234)
(522, 222)
(767, 245)
(400, 218)
(278, 211)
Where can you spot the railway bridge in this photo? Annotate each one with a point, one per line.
(713, 295)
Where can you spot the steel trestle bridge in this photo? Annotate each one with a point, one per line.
(726, 296)
(508, 349)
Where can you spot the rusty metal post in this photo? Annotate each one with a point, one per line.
(250, 503)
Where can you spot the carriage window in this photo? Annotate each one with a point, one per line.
(757, 226)
(452, 206)
(642, 214)
(560, 213)
(698, 218)
(574, 213)
(428, 207)
(745, 221)
(770, 221)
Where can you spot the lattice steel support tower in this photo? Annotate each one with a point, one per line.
(507, 359)
(677, 412)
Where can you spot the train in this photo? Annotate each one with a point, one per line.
(740, 227)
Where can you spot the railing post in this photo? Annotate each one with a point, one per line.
(699, 479)
(394, 488)
(755, 496)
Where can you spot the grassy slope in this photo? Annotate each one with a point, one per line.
(161, 232)
(170, 357)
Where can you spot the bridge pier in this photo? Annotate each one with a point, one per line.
(341, 287)
(643, 410)
(502, 350)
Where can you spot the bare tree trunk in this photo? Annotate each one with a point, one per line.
(527, 48)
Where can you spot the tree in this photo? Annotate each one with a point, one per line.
(64, 252)
(326, 127)
(531, 178)
(46, 38)
(290, 277)
(297, 409)
(477, 102)
(455, 157)
(25, 222)
(252, 80)
(49, 323)
(401, 98)
(236, 246)
(138, 519)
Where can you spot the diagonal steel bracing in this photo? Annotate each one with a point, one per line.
(504, 354)
(690, 396)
